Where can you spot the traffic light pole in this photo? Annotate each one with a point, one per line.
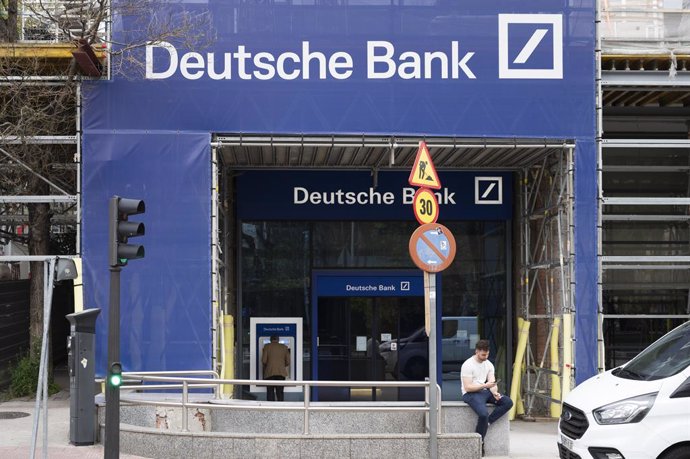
(112, 392)
(120, 229)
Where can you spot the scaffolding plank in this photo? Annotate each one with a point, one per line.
(652, 78)
(646, 201)
(38, 199)
(645, 143)
(643, 218)
(645, 259)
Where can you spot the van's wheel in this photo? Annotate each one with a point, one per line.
(677, 453)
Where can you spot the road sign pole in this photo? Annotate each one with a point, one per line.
(112, 393)
(430, 294)
(432, 248)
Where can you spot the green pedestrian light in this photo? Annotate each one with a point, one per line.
(115, 376)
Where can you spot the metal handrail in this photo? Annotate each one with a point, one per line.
(187, 383)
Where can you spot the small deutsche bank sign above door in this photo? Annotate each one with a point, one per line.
(369, 284)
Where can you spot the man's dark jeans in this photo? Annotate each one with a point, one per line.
(478, 401)
(275, 392)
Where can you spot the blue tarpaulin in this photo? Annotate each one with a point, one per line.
(462, 68)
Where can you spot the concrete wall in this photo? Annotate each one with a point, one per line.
(152, 431)
(152, 443)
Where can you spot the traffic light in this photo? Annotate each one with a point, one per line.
(115, 376)
(121, 229)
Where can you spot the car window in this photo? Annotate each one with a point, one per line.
(666, 357)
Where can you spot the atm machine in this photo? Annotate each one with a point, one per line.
(289, 331)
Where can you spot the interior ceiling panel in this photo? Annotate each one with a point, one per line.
(371, 152)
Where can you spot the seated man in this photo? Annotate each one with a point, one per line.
(479, 387)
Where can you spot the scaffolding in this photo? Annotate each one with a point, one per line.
(546, 274)
(64, 185)
(645, 273)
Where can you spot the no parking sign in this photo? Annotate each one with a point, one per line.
(432, 247)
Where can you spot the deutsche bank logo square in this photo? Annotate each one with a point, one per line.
(405, 286)
(530, 46)
(488, 190)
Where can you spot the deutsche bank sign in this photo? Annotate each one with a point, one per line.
(463, 68)
(383, 60)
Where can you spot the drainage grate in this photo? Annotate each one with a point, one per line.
(12, 414)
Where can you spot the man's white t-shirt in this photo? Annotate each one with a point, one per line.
(477, 371)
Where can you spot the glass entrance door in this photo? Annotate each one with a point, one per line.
(371, 339)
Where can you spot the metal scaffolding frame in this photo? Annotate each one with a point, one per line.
(13, 207)
(640, 213)
(218, 263)
(545, 269)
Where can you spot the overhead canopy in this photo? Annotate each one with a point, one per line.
(251, 151)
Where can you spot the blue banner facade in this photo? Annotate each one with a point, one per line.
(465, 68)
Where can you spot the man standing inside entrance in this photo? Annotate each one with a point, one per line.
(479, 387)
(275, 358)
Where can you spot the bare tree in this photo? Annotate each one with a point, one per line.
(39, 103)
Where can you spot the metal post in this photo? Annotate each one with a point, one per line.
(112, 394)
(433, 394)
(440, 416)
(42, 385)
(307, 396)
(185, 401)
(49, 276)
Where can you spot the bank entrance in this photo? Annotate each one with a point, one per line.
(369, 327)
(292, 207)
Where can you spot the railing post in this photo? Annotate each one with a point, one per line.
(307, 396)
(439, 424)
(427, 413)
(185, 400)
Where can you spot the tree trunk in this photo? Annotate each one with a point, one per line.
(8, 21)
(39, 242)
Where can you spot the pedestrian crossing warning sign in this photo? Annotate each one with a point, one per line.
(423, 171)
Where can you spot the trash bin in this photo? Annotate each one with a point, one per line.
(81, 361)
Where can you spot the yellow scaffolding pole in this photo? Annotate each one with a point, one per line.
(567, 353)
(555, 379)
(517, 366)
(227, 370)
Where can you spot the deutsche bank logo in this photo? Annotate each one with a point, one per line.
(530, 46)
(488, 190)
(405, 286)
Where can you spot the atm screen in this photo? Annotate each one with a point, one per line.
(281, 340)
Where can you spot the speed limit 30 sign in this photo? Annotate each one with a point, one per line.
(425, 206)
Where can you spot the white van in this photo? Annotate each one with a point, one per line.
(636, 411)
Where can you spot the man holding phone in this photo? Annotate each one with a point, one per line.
(479, 387)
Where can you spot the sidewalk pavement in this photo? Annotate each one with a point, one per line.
(15, 434)
(528, 440)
